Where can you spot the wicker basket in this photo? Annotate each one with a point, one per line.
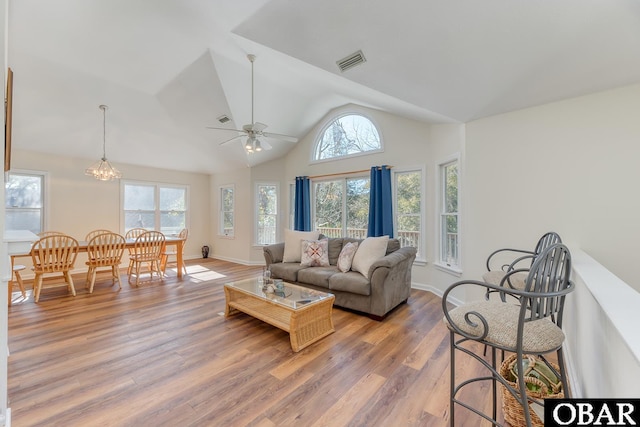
(513, 412)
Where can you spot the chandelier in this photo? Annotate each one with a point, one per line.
(102, 169)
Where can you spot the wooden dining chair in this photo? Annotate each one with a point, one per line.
(54, 254)
(133, 234)
(93, 233)
(104, 252)
(147, 250)
(15, 270)
(166, 253)
(50, 233)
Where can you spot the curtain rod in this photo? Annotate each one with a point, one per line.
(345, 173)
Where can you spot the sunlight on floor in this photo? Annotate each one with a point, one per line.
(198, 273)
(16, 297)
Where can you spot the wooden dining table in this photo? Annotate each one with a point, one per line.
(169, 241)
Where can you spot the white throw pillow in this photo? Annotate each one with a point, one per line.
(292, 243)
(346, 256)
(369, 251)
(315, 253)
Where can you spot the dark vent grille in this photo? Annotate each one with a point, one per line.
(223, 119)
(351, 61)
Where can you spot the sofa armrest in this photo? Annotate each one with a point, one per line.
(390, 278)
(273, 253)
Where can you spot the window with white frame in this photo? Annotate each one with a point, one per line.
(342, 207)
(266, 213)
(409, 208)
(347, 135)
(227, 203)
(449, 215)
(24, 197)
(292, 204)
(161, 207)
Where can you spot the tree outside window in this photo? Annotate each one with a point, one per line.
(342, 207)
(449, 244)
(267, 214)
(408, 197)
(227, 211)
(347, 135)
(24, 202)
(155, 207)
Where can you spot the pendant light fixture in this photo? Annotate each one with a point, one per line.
(102, 170)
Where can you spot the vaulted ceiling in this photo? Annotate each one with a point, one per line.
(168, 68)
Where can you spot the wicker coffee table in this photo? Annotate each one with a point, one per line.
(304, 313)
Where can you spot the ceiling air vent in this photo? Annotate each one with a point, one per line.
(223, 119)
(351, 61)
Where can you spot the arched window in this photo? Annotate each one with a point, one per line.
(347, 135)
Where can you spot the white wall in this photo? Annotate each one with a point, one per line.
(569, 166)
(78, 203)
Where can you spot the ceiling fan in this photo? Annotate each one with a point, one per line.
(255, 131)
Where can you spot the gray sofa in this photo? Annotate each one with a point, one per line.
(388, 283)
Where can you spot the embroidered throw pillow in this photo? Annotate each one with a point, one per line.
(292, 241)
(346, 256)
(315, 253)
(369, 251)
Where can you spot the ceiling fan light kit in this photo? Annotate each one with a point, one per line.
(255, 130)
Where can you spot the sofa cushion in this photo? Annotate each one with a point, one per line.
(392, 246)
(351, 282)
(292, 244)
(287, 271)
(317, 276)
(315, 253)
(346, 256)
(335, 246)
(369, 251)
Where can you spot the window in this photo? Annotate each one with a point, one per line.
(158, 207)
(226, 211)
(347, 135)
(266, 214)
(449, 215)
(342, 207)
(408, 199)
(24, 201)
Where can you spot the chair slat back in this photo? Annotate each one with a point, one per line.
(55, 253)
(106, 249)
(134, 233)
(148, 245)
(184, 234)
(548, 283)
(50, 233)
(93, 233)
(547, 239)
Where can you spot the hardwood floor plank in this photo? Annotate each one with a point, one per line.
(160, 354)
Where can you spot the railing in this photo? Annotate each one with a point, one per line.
(406, 238)
(450, 250)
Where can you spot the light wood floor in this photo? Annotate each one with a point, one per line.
(162, 354)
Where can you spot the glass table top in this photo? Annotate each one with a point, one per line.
(292, 296)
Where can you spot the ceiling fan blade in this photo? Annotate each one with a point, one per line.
(287, 138)
(265, 145)
(229, 140)
(234, 130)
(259, 127)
